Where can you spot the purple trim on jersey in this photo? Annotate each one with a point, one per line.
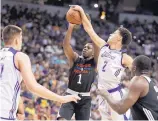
(16, 90)
(14, 108)
(125, 117)
(104, 46)
(14, 103)
(123, 50)
(14, 52)
(118, 88)
(7, 118)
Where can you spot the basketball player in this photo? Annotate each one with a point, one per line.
(142, 96)
(82, 75)
(14, 65)
(112, 62)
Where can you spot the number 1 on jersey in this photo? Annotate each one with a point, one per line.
(79, 81)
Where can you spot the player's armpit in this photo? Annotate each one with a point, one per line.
(127, 61)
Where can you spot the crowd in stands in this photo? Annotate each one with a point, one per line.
(42, 41)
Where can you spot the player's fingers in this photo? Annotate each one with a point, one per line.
(73, 8)
(75, 100)
(72, 5)
(77, 97)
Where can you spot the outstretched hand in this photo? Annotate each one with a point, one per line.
(70, 98)
(77, 8)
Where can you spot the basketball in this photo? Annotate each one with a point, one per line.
(73, 17)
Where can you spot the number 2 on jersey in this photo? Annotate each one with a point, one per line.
(105, 63)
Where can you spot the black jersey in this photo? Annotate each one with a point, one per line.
(82, 75)
(146, 108)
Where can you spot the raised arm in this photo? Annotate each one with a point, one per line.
(96, 48)
(99, 42)
(70, 54)
(24, 65)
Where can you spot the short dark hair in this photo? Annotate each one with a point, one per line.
(90, 43)
(142, 63)
(126, 36)
(9, 33)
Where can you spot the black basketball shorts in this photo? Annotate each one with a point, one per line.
(80, 109)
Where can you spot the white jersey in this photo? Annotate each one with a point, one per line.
(10, 79)
(109, 68)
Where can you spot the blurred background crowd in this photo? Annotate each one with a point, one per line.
(43, 34)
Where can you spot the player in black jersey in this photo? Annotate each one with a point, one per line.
(81, 76)
(142, 97)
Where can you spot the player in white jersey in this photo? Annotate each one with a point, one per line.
(15, 65)
(112, 61)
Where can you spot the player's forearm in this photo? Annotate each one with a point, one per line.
(115, 105)
(67, 38)
(96, 39)
(45, 93)
(89, 29)
(96, 53)
(86, 23)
